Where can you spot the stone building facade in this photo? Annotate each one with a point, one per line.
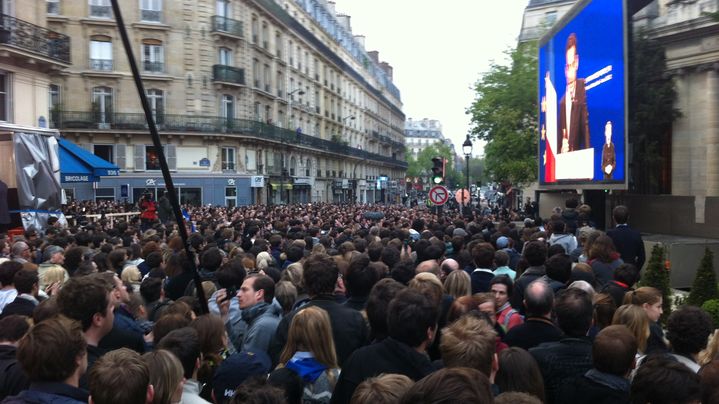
(256, 101)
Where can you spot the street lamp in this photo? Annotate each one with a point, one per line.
(353, 190)
(290, 127)
(467, 150)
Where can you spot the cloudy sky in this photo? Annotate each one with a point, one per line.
(437, 49)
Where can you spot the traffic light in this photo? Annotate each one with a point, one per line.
(437, 170)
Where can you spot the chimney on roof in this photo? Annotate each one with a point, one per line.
(344, 21)
(360, 40)
(374, 55)
(331, 7)
(387, 69)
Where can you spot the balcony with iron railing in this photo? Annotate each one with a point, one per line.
(28, 37)
(228, 74)
(224, 25)
(74, 120)
(153, 67)
(102, 65)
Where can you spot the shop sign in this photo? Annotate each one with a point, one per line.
(257, 181)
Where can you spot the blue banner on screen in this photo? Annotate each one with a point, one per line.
(582, 97)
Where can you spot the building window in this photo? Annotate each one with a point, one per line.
(4, 96)
(100, 9)
(268, 79)
(102, 104)
(228, 107)
(228, 158)
(104, 194)
(223, 8)
(278, 45)
(101, 54)
(256, 72)
(230, 197)
(225, 55)
(151, 10)
(255, 29)
(53, 7)
(550, 17)
(191, 196)
(105, 152)
(152, 158)
(153, 58)
(53, 103)
(156, 100)
(265, 36)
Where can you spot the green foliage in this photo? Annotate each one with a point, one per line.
(712, 307)
(657, 276)
(705, 282)
(651, 112)
(422, 165)
(504, 114)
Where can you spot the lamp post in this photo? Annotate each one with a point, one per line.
(353, 193)
(289, 127)
(467, 150)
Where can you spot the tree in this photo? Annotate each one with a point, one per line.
(705, 282)
(651, 112)
(504, 115)
(417, 167)
(657, 276)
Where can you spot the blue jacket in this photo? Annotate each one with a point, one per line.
(262, 320)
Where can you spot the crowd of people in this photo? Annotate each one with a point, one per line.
(323, 303)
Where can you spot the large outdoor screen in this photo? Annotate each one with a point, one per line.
(582, 98)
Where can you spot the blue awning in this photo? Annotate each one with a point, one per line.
(79, 165)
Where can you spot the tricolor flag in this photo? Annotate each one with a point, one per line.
(549, 108)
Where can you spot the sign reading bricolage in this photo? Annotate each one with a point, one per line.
(76, 178)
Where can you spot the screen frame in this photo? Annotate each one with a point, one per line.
(571, 14)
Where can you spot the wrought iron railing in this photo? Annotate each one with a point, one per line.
(228, 74)
(64, 120)
(34, 38)
(228, 25)
(104, 65)
(153, 67)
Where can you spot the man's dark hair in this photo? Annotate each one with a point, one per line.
(501, 258)
(264, 283)
(555, 249)
(184, 343)
(620, 214)
(535, 252)
(154, 259)
(403, 271)
(409, 316)
(151, 289)
(231, 274)
(433, 252)
(360, 276)
(574, 312)
(8, 269)
(538, 299)
(73, 259)
(663, 380)
(24, 281)
(377, 303)
(49, 352)
(13, 327)
(688, 329)
(374, 250)
(119, 376)
(390, 256)
(559, 267)
(295, 253)
(503, 280)
(319, 274)
(483, 255)
(614, 350)
(571, 203)
(451, 385)
(82, 297)
(257, 390)
(211, 259)
(627, 274)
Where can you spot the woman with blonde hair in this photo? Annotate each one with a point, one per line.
(166, 376)
(636, 319)
(458, 284)
(310, 352)
(650, 299)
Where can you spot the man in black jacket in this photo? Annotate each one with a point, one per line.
(562, 361)
(412, 323)
(628, 241)
(349, 329)
(27, 284)
(535, 252)
(538, 327)
(12, 377)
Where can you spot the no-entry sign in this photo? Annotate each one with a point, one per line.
(438, 195)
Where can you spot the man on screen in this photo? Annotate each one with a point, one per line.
(609, 157)
(573, 125)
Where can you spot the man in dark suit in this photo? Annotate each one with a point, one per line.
(609, 155)
(628, 241)
(573, 131)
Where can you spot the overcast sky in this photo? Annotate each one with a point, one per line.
(437, 49)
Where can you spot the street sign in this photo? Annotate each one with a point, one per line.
(462, 196)
(438, 195)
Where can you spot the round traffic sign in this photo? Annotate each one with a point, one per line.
(438, 195)
(462, 196)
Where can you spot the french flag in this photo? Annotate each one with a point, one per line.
(549, 107)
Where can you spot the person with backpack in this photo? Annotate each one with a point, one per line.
(501, 287)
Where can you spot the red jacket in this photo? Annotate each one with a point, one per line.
(149, 210)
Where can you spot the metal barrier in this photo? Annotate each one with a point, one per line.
(96, 217)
